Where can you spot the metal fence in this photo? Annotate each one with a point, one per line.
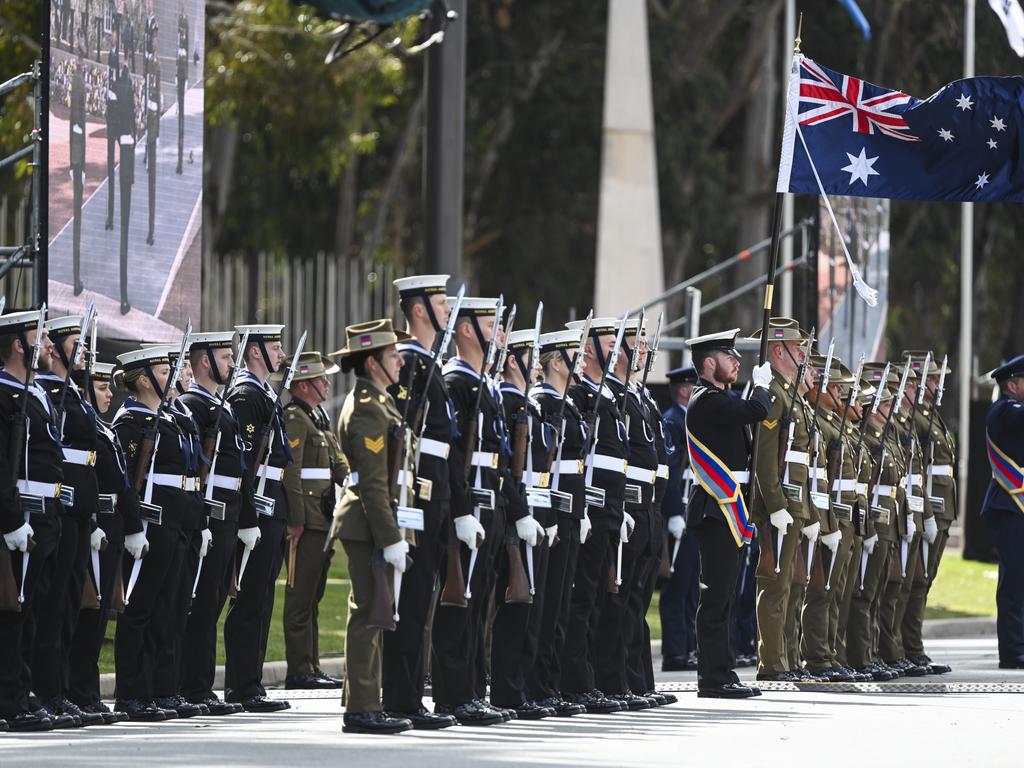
(16, 282)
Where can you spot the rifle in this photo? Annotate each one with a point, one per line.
(211, 440)
(652, 353)
(575, 368)
(837, 449)
(936, 402)
(268, 429)
(815, 576)
(76, 358)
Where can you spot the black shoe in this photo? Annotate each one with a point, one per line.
(562, 707)
(933, 668)
(470, 714)
(98, 707)
(338, 682)
(125, 307)
(141, 711)
(109, 225)
(659, 699)
(65, 707)
(58, 717)
(178, 705)
(79, 288)
(425, 720)
(373, 722)
(666, 698)
(215, 706)
(632, 702)
(4, 726)
(149, 240)
(728, 691)
(597, 703)
(673, 664)
(533, 711)
(873, 673)
(778, 677)
(806, 676)
(263, 704)
(1011, 664)
(308, 683)
(178, 169)
(910, 669)
(36, 720)
(746, 661)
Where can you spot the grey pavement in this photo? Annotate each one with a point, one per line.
(966, 718)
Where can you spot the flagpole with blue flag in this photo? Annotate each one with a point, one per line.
(966, 296)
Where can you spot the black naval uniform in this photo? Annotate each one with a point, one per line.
(140, 636)
(248, 621)
(125, 126)
(55, 626)
(543, 678)
(403, 668)
(720, 422)
(44, 474)
(77, 161)
(182, 78)
(597, 553)
(152, 133)
(457, 669)
(233, 487)
(113, 115)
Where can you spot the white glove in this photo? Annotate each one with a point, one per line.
(585, 527)
(762, 375)
(250, 537)
(626, 529)
(467, 528)
(781, 520)
(911, 527)
(18, 538)
(831, 540)
(395, 554)
(136, 545)
(810, 532)
(552, 534)
(204, 543)
(931, 530)
(677, 526)
(869, 544)
(529, 530)
(96, 539)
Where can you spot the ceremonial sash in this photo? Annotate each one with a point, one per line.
(1006, 472)
(717, 479)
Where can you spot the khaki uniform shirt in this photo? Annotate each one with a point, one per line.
(318, 464)
(774, 450)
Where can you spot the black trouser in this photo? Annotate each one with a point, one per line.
(543, 677)
(248, 621)
(83, 667)
(618, 622)
(402, 688)
(199, 662)
(138, 640)
(720, 560)
(516, 629)
(76, 228)
(590, 587)
(57, 610)
(151, 173)
(456, 666)
(172, 623)
(639, 664)
(111, 158)
(126, 178)
(679, 595)
(15, 629)
(744, 637)
(181, 119)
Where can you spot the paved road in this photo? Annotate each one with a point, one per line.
(967, 725)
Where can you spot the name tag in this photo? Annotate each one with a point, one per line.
(793, 492)
(843, 512)
(33, 505)
(424, 489)
(410, 517)
(106, 503)
(264, 505)
(820, 500)
(938, 504)
(483, 498)
(632, 494)
(561, 501)
(916, 503)
(217, 510)
(67, 496)
(595, 497)
(151, 513)
(880, 515)
(538, 497)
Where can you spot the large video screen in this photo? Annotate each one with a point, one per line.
(126, 163)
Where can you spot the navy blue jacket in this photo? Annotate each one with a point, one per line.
(1005, 426)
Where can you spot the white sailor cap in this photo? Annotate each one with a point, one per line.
(212, 340)
(13, 322)
(102, 371)
(175, 348)
(265, 332)
(64, 326)
(421, 285)
(632, 326)
(723, 341)
(475, 306)
(521, 339)
(153, 354)
(552, 342)
(599, 326)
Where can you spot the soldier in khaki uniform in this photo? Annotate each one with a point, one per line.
(309, 482)
(366, 513)
(781, 507)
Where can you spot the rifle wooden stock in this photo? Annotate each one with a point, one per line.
(396, 452)
(8, 584)
(613, 588)
(919, 577)
(800, 565)
(142, 462)
(665, 565)
(767, 557)
(209, 449)
(520, 443)
(117, 593)
(381, 614)
(293, 551)
(453, 595)
(895, 567)
(90, 597)
(518, 590)
(816, 584)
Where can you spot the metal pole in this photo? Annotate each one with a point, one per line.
(41, 164)
(966, 362)
(786, 293)
(444, 145)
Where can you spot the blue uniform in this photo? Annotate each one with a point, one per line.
(1005, 518)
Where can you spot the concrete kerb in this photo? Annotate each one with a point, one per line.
(274, 671)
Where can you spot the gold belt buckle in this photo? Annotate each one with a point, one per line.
(494, 461)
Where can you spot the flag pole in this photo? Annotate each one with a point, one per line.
(966, 359)
(786, 288)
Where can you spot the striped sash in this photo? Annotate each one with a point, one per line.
(1006, 472)
(717, 479)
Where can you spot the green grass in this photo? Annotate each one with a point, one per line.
(962, 589)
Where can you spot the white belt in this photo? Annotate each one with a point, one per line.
(126, 140)
(226, 482)
(81, 458)
(191, 483)
(942, 470)
(36, 488)
(844, 485)
(663, 471)
(485, 459)
(816, 473)
(861, 488)
(273, 473)
(916, 480)
(569, 467)
(435, 448)
(797, 457)
(315, 473)
(886, 490)
(537, 479)
(742, 476)
(609, 463)
(168, 481)
(641, 475)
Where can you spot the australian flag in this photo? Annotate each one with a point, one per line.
(963, 143)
